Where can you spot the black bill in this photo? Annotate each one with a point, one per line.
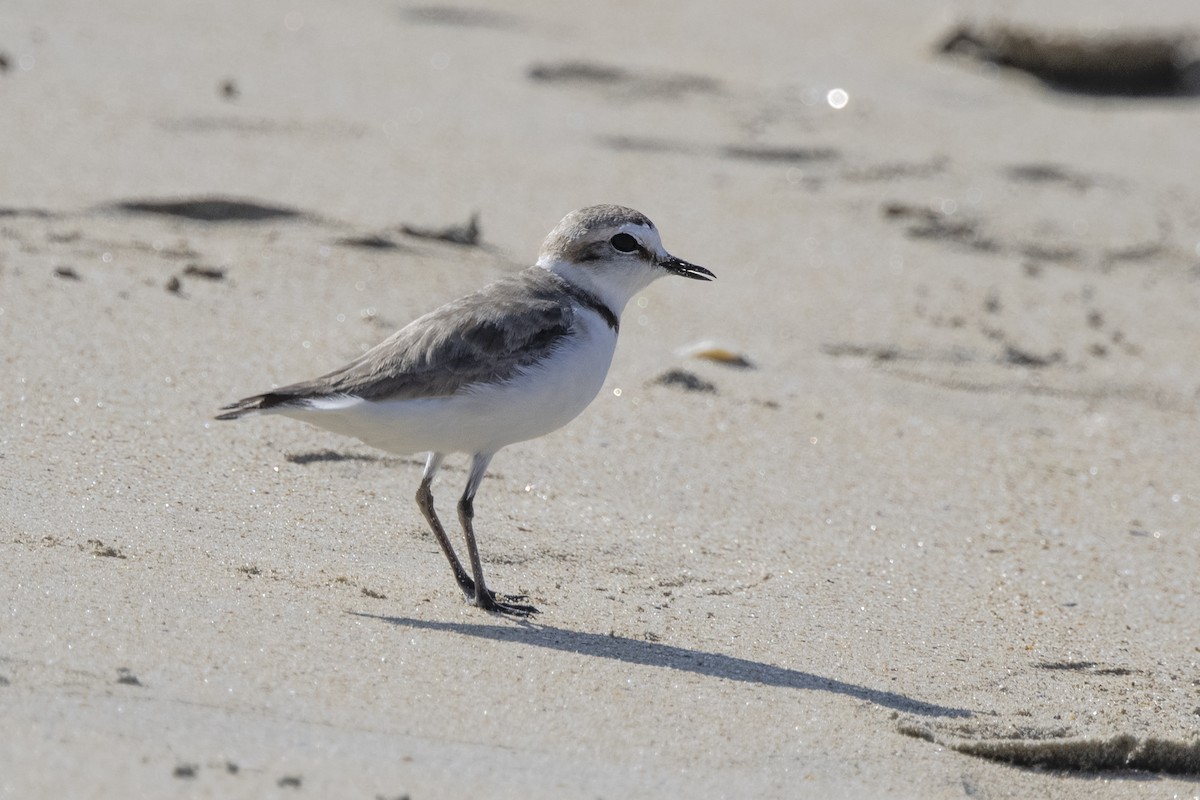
(678, 266)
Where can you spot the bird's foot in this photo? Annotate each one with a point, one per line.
(507, 604)
(492, 603)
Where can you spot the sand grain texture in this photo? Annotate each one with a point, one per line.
(940, 541)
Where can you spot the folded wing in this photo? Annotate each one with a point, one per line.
(488, 336)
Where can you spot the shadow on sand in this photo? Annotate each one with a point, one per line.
(652, 654)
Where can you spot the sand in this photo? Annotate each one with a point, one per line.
(946, 521)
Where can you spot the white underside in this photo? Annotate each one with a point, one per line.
(485, 417)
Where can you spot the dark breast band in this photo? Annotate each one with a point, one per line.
(589, 300)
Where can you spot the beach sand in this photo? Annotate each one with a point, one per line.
(941, 539)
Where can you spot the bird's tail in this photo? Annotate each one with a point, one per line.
(241, 408)
(255, 404)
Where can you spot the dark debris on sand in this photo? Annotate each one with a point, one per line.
(1125, 64)
(467, 235)
(208, 209)
(688, 381)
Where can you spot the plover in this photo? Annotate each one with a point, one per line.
(514, 361)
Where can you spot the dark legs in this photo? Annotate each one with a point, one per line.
(425, 503)
(476, 590)
(466, 513)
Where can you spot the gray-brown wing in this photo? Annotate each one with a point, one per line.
(483, 337)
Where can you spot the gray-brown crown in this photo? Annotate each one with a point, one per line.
(572, 237)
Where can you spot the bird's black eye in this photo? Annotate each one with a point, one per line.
(624, 242)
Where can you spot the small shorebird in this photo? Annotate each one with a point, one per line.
(513, 361)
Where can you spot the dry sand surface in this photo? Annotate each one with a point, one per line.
(941, 540)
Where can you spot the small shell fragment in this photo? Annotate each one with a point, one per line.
(715, 351)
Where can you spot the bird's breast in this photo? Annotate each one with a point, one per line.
(547, 395)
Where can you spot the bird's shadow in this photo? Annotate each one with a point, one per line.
(653, 654)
